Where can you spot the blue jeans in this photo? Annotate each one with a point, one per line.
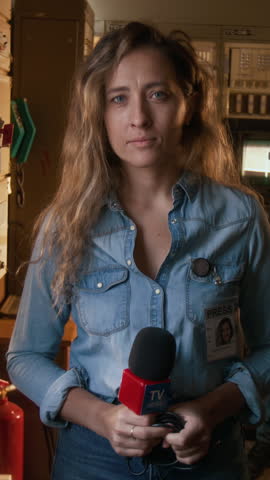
(83, 455)
(263, 431)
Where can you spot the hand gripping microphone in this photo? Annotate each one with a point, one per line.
(145, 386)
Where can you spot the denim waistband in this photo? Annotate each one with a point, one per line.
(224, 461)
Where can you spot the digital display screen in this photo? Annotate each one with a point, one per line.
(256, 158)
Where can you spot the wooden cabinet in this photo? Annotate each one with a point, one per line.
(50, 39)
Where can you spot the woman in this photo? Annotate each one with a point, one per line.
(224, 332)
(138, 235)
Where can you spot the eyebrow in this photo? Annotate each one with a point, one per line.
(127, 89)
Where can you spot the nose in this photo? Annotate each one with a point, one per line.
(140, 114)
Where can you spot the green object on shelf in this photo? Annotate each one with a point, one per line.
(30, 130)
(18, 132)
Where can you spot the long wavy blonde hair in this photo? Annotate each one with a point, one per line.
(91, 169)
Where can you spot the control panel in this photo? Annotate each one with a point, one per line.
(247, 81)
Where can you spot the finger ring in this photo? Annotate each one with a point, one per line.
(132, 431)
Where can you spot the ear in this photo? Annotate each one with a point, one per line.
(191, 101)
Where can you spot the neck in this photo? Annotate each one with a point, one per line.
(144, 186)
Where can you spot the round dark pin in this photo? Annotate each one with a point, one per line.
(201, 267)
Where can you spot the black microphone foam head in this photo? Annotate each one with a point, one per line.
(152, 355)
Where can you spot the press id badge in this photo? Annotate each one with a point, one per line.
(224, 334)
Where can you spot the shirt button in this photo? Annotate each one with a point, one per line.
(132, 227)
(157, 291)
(174, 221)
(99, 285)
(129, 262)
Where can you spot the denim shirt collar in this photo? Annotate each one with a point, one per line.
(188, 184)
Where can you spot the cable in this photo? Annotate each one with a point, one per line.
(136, 474)
(164, 457)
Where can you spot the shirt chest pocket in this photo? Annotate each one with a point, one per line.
(103, 299)
(218, 287)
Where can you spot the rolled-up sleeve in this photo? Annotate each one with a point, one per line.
(35, 343)
(56, 395)
(252, 375)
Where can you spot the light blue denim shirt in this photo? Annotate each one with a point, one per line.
(113, 300)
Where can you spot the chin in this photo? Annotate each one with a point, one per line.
(143, 162)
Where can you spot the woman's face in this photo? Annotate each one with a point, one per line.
(226, 332)
(145, 110)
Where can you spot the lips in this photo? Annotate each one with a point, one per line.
(142, 141)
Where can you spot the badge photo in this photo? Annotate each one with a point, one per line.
(223, 331)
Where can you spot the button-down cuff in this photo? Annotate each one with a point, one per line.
(240, 375)
(55, 397)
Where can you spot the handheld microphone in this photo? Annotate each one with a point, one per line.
(145, 386)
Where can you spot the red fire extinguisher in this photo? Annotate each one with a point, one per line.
(11, 434)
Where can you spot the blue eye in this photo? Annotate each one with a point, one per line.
(159, 95)
(118, 99)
